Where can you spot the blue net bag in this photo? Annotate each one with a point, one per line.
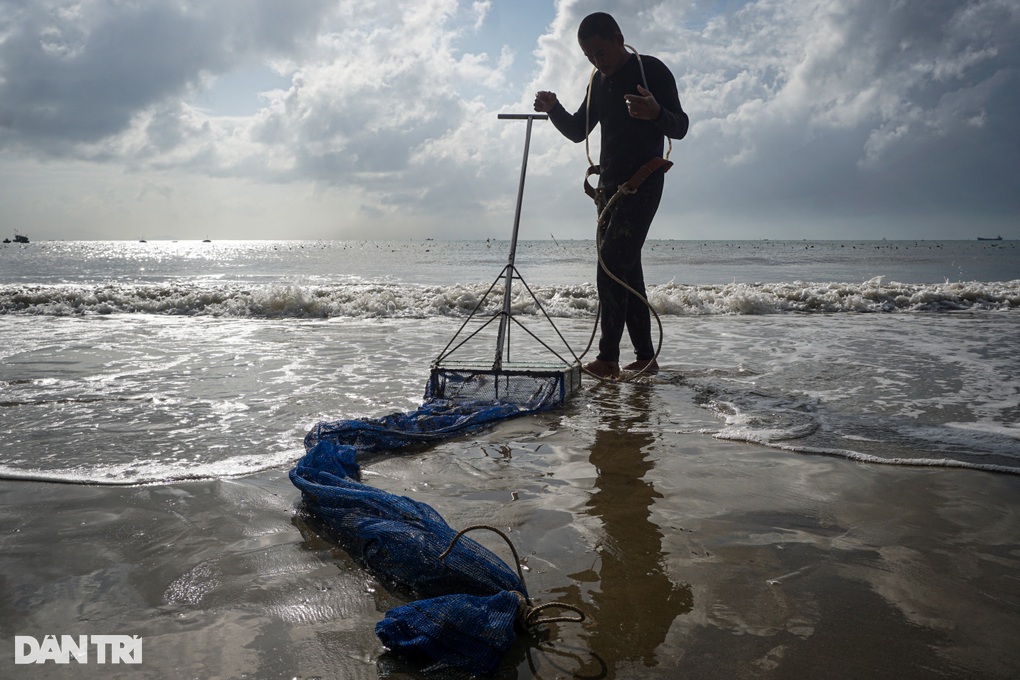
(462, 631)
(399, 538)
(473, 599)
(431, 422)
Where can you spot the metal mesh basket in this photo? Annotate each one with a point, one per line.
(529, 386)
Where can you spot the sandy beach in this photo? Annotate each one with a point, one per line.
(715, 522)
(693, 557)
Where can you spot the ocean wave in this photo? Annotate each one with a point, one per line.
(798, 296)
(422, 301)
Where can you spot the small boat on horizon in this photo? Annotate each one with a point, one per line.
(990, 238)
(18, 238)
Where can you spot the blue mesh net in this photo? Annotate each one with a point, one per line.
(397, 537)
(433, 421)
(473, 597)
(464, 631)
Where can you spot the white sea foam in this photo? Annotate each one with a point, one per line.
(792, 424)
(420, 301)
(153, 471)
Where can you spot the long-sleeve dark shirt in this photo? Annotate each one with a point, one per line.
(627, 143)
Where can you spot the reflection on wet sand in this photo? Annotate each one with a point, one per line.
(634, 602)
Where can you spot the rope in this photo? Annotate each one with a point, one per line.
(623, 190)
(528, 613)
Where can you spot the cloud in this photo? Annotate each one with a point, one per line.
(815, 112)
(842, 107)
(79, 73)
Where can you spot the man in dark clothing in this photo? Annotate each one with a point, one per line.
(635, 100)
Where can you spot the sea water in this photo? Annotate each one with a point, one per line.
(127, 362)
(821, 482)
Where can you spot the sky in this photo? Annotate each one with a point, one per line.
(377, 119)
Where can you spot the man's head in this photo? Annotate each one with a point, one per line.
(601, 40)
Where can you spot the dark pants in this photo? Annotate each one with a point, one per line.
(623, 235)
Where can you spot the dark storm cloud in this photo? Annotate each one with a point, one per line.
(954, 143)
(849, 108)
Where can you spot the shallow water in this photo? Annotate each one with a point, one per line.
(151, 398)
(691, 556)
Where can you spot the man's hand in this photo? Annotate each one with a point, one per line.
(545, 101)
(642, 106)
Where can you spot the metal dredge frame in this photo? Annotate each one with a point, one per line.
(567, 373)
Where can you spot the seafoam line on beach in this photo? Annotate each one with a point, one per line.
(151, 472)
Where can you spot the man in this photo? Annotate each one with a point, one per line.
(636, 102)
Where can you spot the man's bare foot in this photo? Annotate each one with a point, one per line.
(643, 365)
(603, 369)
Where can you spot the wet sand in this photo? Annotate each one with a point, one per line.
(693, 558)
